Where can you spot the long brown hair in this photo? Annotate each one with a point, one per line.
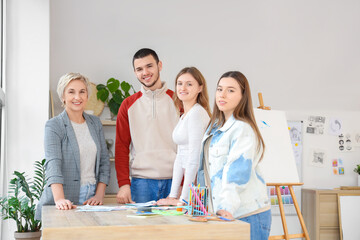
(243, 111)
(202, 98)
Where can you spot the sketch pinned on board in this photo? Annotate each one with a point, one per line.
(338, 166)
(315, 125)
(295, 131)
(335, 126)
(317, 157)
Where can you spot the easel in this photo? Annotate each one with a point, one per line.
(262, 102)
(286, 235)
(277, 186)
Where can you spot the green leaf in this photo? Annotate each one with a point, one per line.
(125, 86)
(103, 94)
(100, 86)
(114, 107)
(118, 97)
(113, 84)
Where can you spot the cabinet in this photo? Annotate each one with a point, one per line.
(319, 208)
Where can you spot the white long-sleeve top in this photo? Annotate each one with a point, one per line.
(188, 134)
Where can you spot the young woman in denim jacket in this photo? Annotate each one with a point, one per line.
(232, 151)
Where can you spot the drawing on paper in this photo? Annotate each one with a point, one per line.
(335, 126)
(337, 166)
(317, 158)
(345, 143)
(315, 125)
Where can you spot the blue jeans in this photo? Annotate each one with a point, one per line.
(144, 190)
(260, 225)
(86, 191)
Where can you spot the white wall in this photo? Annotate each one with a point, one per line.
(27, 88)
(323, 177)
(300, 54)
(303, 55)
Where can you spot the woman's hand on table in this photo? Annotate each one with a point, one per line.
(225, 214)
(95, 200)
(64, 204)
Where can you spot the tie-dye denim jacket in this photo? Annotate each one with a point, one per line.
(237, 185)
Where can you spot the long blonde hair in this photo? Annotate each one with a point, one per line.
(243, 111)
(202, 98)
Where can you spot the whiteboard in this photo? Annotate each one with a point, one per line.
(278, 164)
(350, 217)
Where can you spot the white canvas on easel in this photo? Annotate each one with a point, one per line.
(278, 164)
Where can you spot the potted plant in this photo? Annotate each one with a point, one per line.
(114, 93)
(357, 170)
(20, 203)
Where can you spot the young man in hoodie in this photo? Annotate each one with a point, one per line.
(144, 127)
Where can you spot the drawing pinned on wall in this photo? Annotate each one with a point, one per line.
(348, 143)
(335, 126)
(337, 166)
(341, 142)
(345, 143)
(317, 157)
(357, 140)
(315, 125)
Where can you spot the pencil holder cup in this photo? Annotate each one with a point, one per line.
(198, 201)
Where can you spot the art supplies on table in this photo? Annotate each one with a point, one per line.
(209, 218)
(198, 201)
(168, 212)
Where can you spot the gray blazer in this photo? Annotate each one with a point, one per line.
(63, 158)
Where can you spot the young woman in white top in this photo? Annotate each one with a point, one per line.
(191, 96)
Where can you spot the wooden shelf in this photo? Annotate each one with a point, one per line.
(108, 123)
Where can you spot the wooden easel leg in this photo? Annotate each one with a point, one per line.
(282, 212)
(302, 223)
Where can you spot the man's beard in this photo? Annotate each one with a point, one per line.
(152, 84)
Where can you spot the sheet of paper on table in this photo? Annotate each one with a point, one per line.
(88, 208)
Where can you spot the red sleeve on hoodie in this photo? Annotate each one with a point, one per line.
(123, 140)
(170, 93)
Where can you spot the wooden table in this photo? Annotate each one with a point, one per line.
(70, 224)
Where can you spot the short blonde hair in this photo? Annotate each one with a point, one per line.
(66, 79)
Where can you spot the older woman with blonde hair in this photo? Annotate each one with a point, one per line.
(77, 162)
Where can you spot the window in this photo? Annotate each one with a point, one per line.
(2, 99)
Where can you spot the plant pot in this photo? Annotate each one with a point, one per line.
(27, 235)
(358, 180)
(113, 116)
